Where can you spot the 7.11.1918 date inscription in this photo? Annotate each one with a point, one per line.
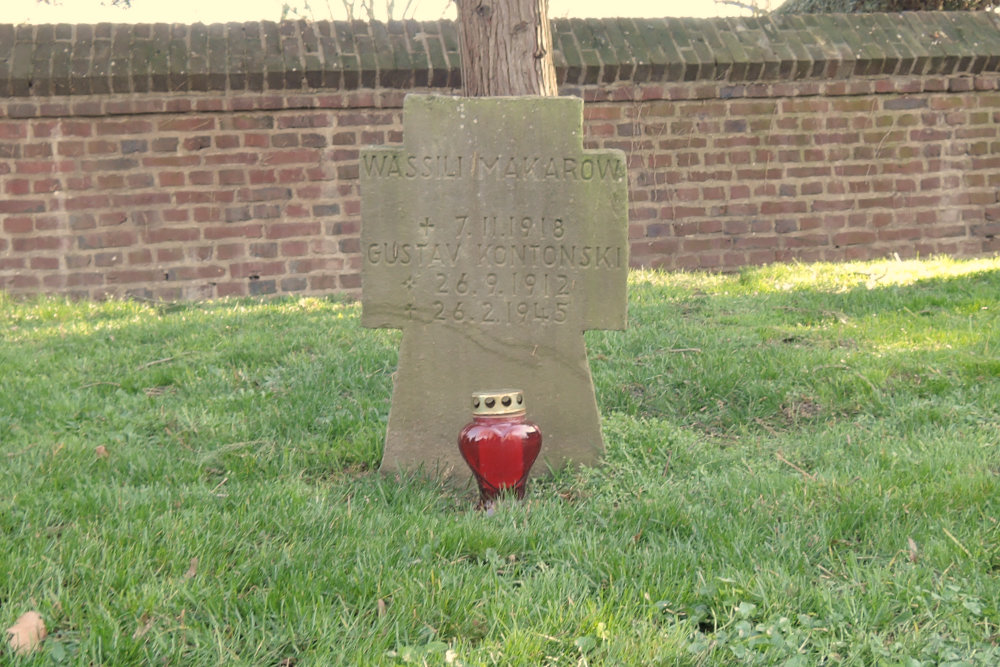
(492, 269)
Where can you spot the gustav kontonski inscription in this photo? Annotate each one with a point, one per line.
(493, 240)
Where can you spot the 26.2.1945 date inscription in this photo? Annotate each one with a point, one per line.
(502, 311)
(500, 298)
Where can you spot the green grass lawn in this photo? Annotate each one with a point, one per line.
(802, 469)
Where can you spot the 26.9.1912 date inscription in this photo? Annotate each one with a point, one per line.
(502, 298)
(492, 269)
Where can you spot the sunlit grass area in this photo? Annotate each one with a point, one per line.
(802, 469)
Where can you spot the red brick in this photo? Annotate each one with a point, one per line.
(21, 281)
(294, 175)
(101, 147)
(172, 234)
(75, 128)
(132, 276)
(207, 214)
(13, 130)
(350, 281)
(195, 273)
(264, 250)
(196, 143)
(169, 254)
(304, 121)
(22, 205)
(854, 237)
(232, 177)
(110, 181)
(311, 191)
(165, 144)
(137, 257)
(141, 199)
(233, 231)
(261, 176)
(248, 269)
(256, 141)
(185, 197)
(201, 178)
(108, 259)
(44, 263)
(232, 158)
(17, 186)
(294, 248)
(227, 141)
(602, 112)
(231, 289)
(71, 148)
(129, 126)
(264, 194)
(35, 242)
(49, 223)
(36, 150)
(929, 134)
(230, 251)
(299, 155)
(186, 124)
(78, 261)
(43, 166)
(109, 239)
(258, 122)
(172, 161)
(266, 211)
(18, 226)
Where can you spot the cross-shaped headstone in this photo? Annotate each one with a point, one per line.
(493, 240)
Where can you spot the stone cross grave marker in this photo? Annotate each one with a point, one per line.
(493, 240)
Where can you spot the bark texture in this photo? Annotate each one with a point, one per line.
(506, 48)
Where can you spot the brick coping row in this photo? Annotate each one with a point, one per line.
(110, 106)
(40, 61)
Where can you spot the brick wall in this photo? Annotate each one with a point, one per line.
(188, 162)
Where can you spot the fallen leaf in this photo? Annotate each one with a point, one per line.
(192, 569)
(380, 604)
(147, 625)
(914, 552)
(27, 633)
(101, 452)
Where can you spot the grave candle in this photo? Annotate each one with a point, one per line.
(499, 444)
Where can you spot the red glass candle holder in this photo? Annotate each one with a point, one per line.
(499, 444)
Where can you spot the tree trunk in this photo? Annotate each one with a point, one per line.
(506, 48)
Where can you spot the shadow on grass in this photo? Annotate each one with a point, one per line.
(723, 355)
(294, 375)
(212, 526)
(750, 355)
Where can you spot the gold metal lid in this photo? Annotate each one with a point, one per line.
(497, 402)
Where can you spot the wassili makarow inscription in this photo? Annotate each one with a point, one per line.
(493, 240)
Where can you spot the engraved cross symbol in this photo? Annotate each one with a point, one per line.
(493, 240)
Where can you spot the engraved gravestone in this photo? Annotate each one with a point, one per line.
(493, 240)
